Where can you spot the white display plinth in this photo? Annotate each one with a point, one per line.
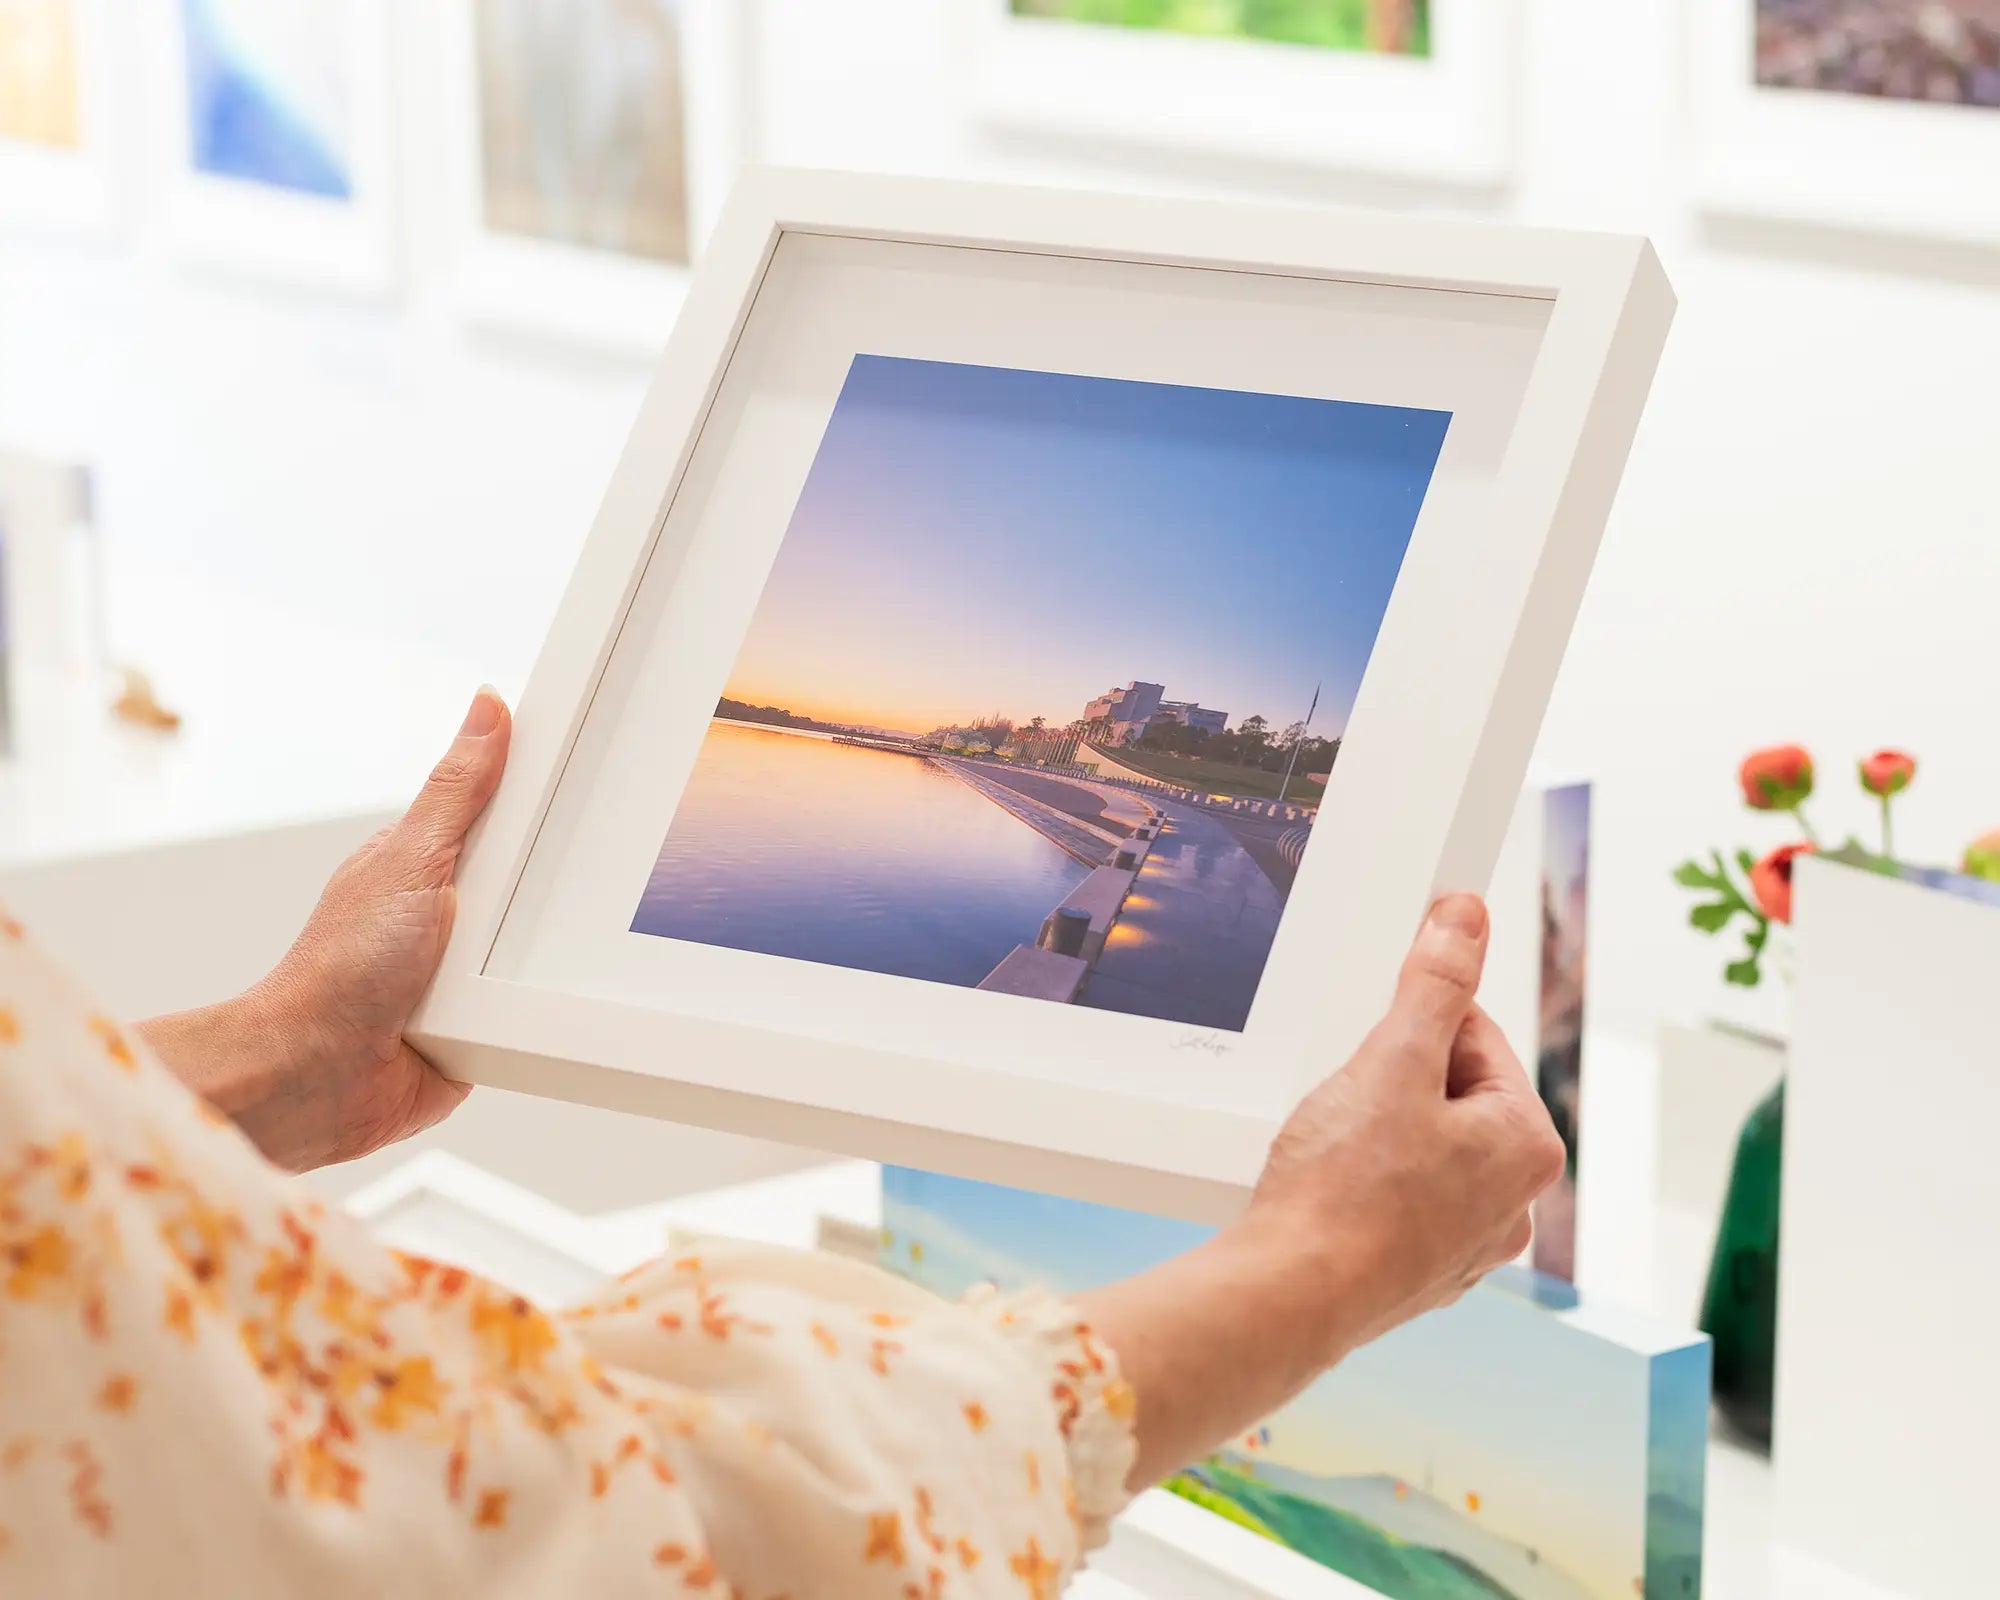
(1888, 1394)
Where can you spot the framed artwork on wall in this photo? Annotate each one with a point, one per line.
(592, 144)
(1877, 115)
(821, 821)
(59, 108)
(1419, 89)
(276, 145)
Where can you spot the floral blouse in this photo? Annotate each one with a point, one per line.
(212, 1385)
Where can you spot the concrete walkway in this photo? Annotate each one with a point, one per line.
(1106, 808)
(1191, 942)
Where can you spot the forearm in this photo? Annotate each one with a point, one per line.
(1214, 1341)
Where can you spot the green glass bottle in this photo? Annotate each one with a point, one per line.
(1740, 1309)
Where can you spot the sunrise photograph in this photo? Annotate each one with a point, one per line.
(1047, 683)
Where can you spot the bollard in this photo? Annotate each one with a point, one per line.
(1126, 860)
(1065, 930)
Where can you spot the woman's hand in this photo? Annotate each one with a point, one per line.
(1394, 1187)
(311, 1063)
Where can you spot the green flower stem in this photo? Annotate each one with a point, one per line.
(1805, 827)
(1888, 845)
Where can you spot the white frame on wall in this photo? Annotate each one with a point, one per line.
(78, 190)
(1828, 159)
(342, 246)
(1447, 118)
(616, 303)
(1507, 602)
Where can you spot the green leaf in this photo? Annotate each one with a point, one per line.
(1693, 875)
(1757, 937)
(1746, 972)
(1746, 861)
(1712, 918)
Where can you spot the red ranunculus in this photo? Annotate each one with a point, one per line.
(1771, 880)
(1982, 857)
(1887, 772)
(1777, 779)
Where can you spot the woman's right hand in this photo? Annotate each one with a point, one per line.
(1417, 1163)
(1396, 1184)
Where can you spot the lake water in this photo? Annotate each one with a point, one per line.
(792, 845)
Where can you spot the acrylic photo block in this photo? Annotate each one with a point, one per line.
(1537, 974)
(1518, 1444)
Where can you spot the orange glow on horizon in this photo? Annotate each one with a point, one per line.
(909, 718)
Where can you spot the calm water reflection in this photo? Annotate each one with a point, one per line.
(792, 845)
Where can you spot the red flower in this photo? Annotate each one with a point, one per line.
(1887, 772)
(1982, 856)
(1777, 779)
(1771, 880)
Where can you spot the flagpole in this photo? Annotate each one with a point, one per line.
(1294, 761)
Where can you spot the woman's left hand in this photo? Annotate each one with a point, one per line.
(311, 1062)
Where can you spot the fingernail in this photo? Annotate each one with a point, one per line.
(483, 716)
(1462, 914)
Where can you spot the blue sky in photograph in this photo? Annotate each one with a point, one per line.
(980, 539)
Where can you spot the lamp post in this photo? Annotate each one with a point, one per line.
(1293, 761)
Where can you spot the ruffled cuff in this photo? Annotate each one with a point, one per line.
(1095, 1407)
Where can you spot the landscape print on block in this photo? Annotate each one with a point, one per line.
(1519, 1445)
(1046, 685)
(1386, 27)
(1565, 911)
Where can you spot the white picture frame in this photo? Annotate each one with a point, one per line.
(1110, 1107)
(1828, 159)
(1445, 118)
(340, 243)
(74, 190)
(615, 302)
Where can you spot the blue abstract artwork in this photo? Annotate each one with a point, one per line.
(266, 94)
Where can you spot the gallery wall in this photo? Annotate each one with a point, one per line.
(1806, 546)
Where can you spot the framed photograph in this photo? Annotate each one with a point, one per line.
(1879, 115)
(58, 114)
(1409, 88)
(1036, 660)
(276, 145)
(592, 144)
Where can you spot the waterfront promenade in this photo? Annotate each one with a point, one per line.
(1191, 942)
(1182, 935)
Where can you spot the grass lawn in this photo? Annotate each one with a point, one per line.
(1219, 777)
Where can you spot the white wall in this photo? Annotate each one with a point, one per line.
(1807, 547)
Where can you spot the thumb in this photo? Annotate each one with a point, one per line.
(433, 829)
(1440, 978)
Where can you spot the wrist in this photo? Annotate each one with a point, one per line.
(236, 1055)
(1326, 1283)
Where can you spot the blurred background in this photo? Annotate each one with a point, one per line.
(1805, 546)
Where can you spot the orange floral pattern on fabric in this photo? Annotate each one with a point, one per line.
(237, 1390)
